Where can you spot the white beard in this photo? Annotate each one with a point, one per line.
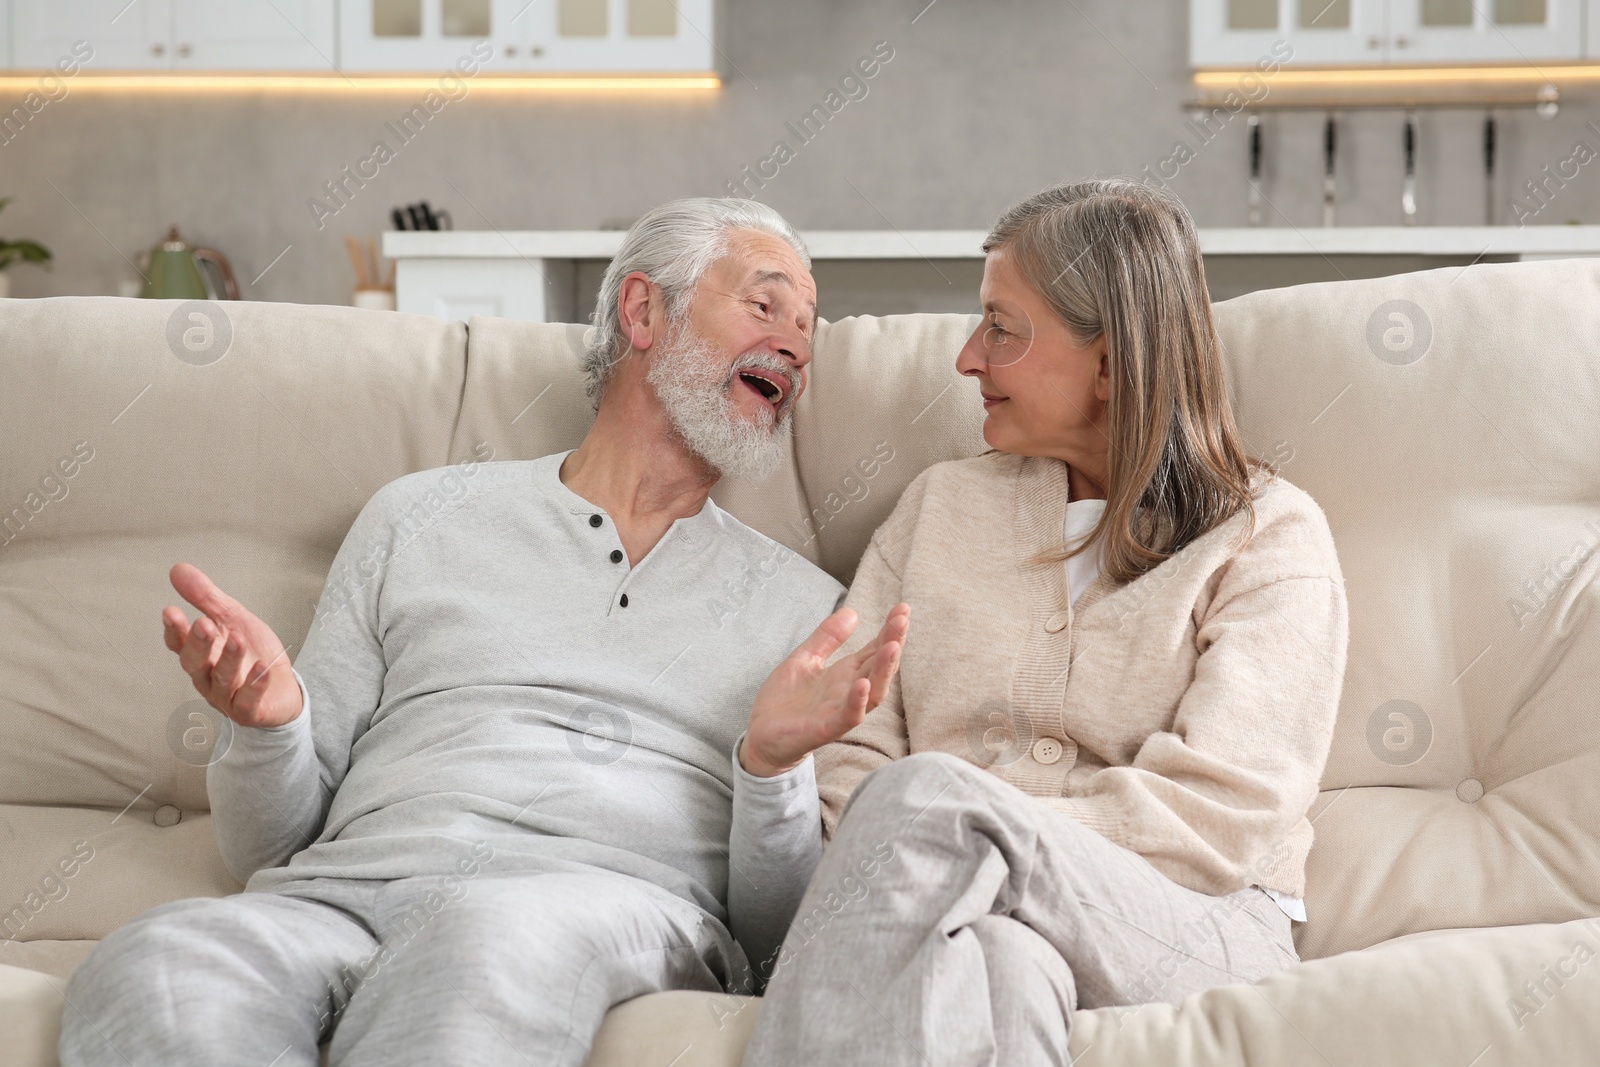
(695, 388)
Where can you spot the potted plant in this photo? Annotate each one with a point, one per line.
(20, 251)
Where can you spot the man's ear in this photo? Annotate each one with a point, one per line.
(640, 311)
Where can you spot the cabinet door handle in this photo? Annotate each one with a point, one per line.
(185, 49)
(510, 50)
(1402, 42)
(1374, 42)
(158, 49)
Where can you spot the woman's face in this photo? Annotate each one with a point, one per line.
(1045, 394)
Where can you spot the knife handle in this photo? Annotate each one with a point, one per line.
(1255, 146)
(1329, 144)
(1411, 144)
(1488, 144)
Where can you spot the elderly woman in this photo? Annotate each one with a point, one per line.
(1085, 773)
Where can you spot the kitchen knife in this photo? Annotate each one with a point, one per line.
(1488, 168)
(1408, 197)
(1255, 170)
(1329, 141)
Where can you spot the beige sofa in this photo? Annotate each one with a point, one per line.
(1448, 422)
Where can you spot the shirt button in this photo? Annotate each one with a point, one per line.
(616, 555)
(1047, 750)
(595, 520)
(1057, 622)
(624, 600)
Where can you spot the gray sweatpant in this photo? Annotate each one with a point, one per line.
(955, 920)
(494, 970)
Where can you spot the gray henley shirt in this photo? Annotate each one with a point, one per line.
(485, 665)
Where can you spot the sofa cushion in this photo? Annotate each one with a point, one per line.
(1448, 423)
(1506, 995)
(680, 1028)
(885, 402)
(31, 1003)
(244, 441)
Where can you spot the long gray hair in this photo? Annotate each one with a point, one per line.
(673, 245)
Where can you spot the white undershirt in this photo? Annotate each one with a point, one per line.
(1081, 571)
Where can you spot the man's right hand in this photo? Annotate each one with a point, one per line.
(805, 703)
(235, 660)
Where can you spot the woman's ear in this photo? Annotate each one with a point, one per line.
(1102, 378)
(639, 310)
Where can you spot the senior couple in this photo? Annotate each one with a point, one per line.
(930, 822)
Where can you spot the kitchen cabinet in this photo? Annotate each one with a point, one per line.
(1477, 31)
(622, 35)
(251, 35)
(529, 36)
(1364, 33)
(176, 34)
(123, 36)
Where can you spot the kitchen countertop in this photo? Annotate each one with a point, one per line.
(965, 244)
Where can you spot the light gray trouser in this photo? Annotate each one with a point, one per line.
(490, 970)
(955, 920)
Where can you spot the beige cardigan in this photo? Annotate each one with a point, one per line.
(1189, 712)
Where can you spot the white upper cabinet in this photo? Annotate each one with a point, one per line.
(411, 35)
(1432, 31)
(622, 36)
(391, 36)
(1232, 33)
(124, 36)
(252, 35)
(177, 34)
(1236, 33)
(528, 36)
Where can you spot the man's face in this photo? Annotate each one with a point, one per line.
(730, 374)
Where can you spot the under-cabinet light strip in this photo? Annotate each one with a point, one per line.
(533, 83)
(1288, 76)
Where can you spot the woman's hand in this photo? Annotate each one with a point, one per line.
(235, 660)
(805, 704)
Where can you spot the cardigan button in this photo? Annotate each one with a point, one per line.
(1047, 750)
(1057, 622)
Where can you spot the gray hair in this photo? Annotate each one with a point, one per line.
(673, 246)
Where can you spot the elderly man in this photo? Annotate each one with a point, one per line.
(493, 796)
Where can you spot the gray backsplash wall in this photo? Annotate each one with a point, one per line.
(981, 104)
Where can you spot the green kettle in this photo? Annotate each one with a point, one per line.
(172, 272)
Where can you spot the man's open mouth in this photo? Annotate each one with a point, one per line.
(769, 388)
